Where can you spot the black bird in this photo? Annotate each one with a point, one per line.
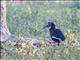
(55, 33)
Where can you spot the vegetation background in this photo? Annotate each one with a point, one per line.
(28, 18)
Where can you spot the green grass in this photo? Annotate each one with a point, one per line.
(29, 18)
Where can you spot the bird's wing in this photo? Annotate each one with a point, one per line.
(59, 34)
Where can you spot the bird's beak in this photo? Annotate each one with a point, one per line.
(45, 26)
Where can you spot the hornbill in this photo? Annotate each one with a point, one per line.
(55, 33)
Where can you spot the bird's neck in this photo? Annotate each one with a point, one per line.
(52, 28)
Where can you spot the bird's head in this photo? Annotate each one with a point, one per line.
(50, 25)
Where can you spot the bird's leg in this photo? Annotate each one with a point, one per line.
(55, 43)
(58, 44)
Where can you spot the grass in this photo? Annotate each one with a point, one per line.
(28, 18)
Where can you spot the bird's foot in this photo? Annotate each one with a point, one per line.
(52, 43)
